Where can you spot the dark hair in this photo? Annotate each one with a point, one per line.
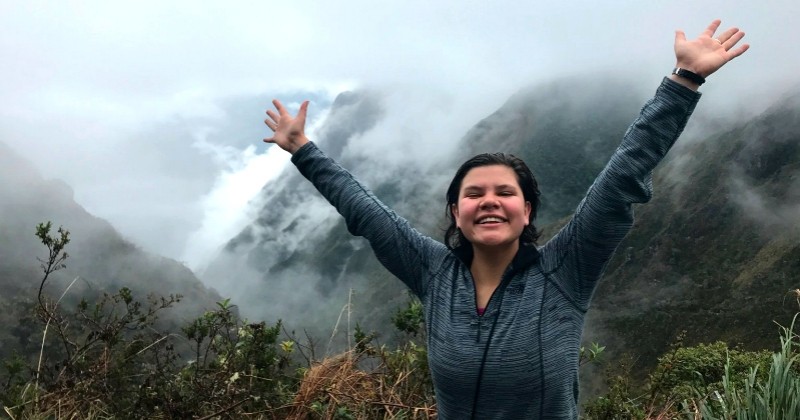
(453, 238)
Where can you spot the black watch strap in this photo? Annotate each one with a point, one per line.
(690, 75)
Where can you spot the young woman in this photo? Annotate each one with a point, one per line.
(504, 318)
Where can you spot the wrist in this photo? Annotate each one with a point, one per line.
(297, 144)
(687, 78)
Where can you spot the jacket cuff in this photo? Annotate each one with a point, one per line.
(678, 91)
(304, 152)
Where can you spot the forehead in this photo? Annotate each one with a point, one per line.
(490, 176)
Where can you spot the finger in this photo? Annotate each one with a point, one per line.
(279, 106)
(269, 140)
(680, 36)
(301, 114)
(712, 28)
(728, 44)
(272, 126)
(727, 34)
(274, 116)
(739, 51)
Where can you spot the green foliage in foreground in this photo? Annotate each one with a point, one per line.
(108, 359)
(120, 364)
(711, 381)
(775, 397)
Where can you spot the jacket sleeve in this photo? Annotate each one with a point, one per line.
(576, 257)
(404, 251)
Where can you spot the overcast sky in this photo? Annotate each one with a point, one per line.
(152, 111)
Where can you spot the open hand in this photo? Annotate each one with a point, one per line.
(707, 54)
(288, 132)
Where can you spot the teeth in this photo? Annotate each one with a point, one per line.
(490, 219)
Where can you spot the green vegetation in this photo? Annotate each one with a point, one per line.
(685, 374)
(710, 381)
(776, 396)
(111, 357)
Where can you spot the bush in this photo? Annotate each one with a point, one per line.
(777, 396)
(108, 359)
(681, 374)
(372, 381)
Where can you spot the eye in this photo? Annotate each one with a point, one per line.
(472, 193)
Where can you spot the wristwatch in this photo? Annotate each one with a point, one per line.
(690, 75)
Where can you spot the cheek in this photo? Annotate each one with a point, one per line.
(461, 213)
(521, 210)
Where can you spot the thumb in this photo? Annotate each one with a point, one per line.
(679, 36)
(301, 114)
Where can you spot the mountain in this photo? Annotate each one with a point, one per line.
(717, 251)
(104, 260)
(296, 260)
(714, 253)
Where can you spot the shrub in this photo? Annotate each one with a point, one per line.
(775, 397)
(108, 359)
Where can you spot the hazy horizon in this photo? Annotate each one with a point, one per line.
(153, 112)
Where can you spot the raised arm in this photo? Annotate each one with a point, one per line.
(405, 252)
(576, 257)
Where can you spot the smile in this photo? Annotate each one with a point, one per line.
(490, 219)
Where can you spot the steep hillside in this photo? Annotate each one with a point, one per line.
(717, 250)
(102, 259)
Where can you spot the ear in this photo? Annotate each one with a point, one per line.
(454, 212)
(527, 212)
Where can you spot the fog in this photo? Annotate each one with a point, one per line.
(153, 112)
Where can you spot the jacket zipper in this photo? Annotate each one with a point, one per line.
(503, 279)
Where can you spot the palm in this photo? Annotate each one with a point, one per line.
(289, 131)
(705, 54)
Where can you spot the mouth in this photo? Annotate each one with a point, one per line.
(487, 220)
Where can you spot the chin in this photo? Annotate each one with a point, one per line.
(494, 242)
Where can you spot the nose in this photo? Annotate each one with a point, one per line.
(489, 202)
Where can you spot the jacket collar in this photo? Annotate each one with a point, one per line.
(527, 255)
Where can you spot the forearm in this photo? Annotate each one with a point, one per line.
(400, 248)
(658, 125)
(362, 211)
(604, 217)
(685, 82)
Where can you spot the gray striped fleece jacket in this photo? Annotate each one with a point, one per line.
(520, 359)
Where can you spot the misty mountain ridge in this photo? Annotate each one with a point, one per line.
(714, 253)
(102, 259)
(717, 249)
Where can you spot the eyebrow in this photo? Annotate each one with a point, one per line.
(497, 187)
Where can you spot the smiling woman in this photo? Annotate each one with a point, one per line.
(504, 318)
(491, 211)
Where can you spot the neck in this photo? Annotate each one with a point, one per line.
(489, 263)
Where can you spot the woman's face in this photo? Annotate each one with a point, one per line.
(491, 209)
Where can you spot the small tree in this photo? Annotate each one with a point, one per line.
(109, 358)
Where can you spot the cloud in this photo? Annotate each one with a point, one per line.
(233, 201)
(775, 215)
(113, 97)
